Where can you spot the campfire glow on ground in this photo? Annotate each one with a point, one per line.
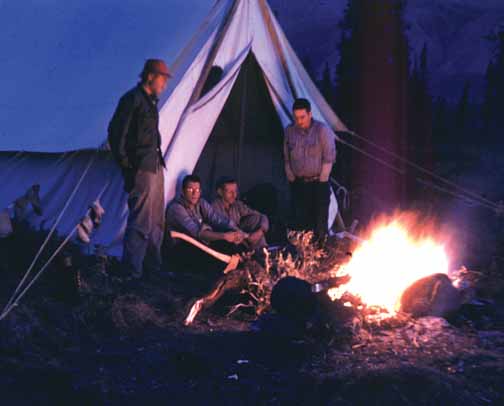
(387, 263)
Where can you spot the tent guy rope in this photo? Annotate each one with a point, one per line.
(425, 171)
(52, 230)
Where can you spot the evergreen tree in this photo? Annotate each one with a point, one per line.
(347, 67)
(326, 86)
(489, 102)
(424, 69)
(420, 146)
(462, 111)
(494, 91)
(307, 63)
(345, 91)
(440, 131)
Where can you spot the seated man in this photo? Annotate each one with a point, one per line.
(192, 215)
(239, 215)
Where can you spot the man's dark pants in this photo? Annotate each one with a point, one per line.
(311, 206)
(146, 219)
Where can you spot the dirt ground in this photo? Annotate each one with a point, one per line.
(114, 343)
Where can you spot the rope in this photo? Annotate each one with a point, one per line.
(423, 170)
(370, 156)
(11, 306)
(461, 197)
(14, 302)
(51, 232)
(474, 197)
(477, 200)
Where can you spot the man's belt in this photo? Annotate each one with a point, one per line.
(308, 179)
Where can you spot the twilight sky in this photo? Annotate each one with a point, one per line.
(64, 63)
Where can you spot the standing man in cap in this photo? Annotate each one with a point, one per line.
(135, 141)
(309, 154)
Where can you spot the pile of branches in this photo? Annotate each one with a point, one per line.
(301, 259)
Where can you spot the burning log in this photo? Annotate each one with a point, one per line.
(433, 295)
(393, 258)
(236, 280)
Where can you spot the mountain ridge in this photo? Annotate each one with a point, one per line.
(455, 32)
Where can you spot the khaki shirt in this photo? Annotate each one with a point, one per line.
(305, 151)
(237, 211)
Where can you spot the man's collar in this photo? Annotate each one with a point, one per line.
(306, 130)
(183, 201)
(152, 98)
(222, 203)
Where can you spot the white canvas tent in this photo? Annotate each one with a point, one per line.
(233, 34)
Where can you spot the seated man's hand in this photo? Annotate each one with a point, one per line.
(234, 237)
(254, 238)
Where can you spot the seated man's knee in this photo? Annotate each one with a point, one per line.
(250, 223)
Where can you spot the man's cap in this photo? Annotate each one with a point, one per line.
(157, 66)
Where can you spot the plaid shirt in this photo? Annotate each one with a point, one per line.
(305, 151)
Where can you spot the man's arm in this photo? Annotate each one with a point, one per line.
(288, 170)
(208, 235)
(178, 218)
(214, 219)
(118, 130)
(326, 172)
(328, 154)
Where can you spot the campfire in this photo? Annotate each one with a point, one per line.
(396, 254)
(399, 270)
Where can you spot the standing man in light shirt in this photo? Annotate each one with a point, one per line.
(309, 154)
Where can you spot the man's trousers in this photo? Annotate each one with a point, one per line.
(311, 206)
(146, 220)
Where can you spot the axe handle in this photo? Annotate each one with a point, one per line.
(181, 236)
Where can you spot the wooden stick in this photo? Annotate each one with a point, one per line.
(232, 261)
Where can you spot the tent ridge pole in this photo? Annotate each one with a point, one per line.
(242, 120)
(276, 42)
(206, 68)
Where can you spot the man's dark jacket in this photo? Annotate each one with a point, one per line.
(133, 133)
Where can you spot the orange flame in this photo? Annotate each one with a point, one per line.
(390, 261)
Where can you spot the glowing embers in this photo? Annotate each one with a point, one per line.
(395, 255)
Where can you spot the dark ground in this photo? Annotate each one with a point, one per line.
(107, 343)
